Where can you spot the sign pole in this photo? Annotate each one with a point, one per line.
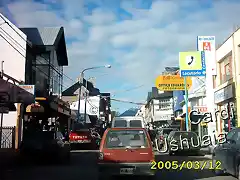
(186, 103)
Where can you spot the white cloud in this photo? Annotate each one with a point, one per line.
(154, 36)
(100, 17)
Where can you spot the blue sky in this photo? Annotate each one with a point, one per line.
(137, 37)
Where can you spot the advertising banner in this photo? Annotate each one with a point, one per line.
(208, 45)
(178, 98)
(192, 63)
(92, 105)
(172, 83)
(28, 88)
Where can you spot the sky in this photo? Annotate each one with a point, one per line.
(138, 38)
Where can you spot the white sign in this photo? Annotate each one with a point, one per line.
(28, 88)
(207, 44)
(92, 106)
(223, 94)
(164, 117)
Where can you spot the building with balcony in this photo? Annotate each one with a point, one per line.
(46, 56)
(159, 107)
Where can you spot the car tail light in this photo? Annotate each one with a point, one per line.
(101, 156)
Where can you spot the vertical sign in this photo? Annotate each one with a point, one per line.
(207, 44)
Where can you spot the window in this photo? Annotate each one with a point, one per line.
(135, 123)
(214, 82)
(124, 138)
(226, 69)
(120, 123)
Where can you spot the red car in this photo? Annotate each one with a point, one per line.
(125, 151)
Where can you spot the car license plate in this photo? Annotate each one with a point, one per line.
(126, 170)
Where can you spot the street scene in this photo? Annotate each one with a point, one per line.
(119, 90)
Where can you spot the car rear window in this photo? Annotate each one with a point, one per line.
(135, 123)
(126, 138)
(120, 123)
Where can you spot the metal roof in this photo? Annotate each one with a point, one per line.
(42, 36)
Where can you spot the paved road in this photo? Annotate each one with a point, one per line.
(83, 166)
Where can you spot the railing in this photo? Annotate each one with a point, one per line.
(8, 137)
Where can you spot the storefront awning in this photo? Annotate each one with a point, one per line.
(15, 93)
(59, 105)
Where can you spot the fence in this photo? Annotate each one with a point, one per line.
(8, 137)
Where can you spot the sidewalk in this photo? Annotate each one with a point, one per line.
(7, 160)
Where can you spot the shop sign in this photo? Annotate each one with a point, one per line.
(172, 83)
(223, 94)
(28, 88)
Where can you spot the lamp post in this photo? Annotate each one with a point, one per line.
(80, 83)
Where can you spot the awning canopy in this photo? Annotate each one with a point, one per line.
(12, 93)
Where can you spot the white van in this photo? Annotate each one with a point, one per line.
(128, 121)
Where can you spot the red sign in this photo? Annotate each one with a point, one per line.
(201, 109)
(206, 46)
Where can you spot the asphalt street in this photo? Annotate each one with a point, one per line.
(83, 166)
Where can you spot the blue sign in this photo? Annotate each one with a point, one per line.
(178, 98)
(187, 59)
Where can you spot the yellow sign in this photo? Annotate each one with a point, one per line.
(203, 124)
(172, 83)
(190, 60)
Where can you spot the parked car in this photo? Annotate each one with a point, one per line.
(128, 121)
(46, 144)
(125, 151)
(226, 156)
(189, 145)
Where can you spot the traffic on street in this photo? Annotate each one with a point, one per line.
(119, 89)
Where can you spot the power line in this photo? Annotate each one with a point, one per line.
(30, 44)
(131, 102)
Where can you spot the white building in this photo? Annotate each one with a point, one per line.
(13, 54)
(159, 106)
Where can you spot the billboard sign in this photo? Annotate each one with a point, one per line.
(192, 63)
(208, 45)
(178, 98)
(172, 83)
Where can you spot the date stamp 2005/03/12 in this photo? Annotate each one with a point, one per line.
(176, 165)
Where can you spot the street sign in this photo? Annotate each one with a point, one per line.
(192, 63)
(172, 83)
(208, 45)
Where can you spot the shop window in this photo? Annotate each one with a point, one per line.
(214, 82)
(226, 69)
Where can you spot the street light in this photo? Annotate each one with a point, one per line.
(80, 82)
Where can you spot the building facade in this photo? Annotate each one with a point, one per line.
(159, 107)
(13, 53)
(226, 83)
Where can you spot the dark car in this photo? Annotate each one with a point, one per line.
(226, 155)
(47, 145)
(183, 142)
(125, 151)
